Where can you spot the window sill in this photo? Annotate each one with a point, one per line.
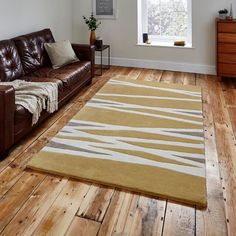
(165, 45)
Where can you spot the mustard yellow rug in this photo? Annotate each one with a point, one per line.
(136, 135)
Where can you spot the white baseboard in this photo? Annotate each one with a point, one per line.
(161, 65)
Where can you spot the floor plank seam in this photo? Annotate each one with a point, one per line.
(164, 218)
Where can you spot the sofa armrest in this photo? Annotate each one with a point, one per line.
(7, 109)
(86, 52)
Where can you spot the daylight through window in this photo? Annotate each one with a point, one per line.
(165, 21)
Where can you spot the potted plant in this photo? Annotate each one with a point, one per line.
(93, 24)
(223, 14)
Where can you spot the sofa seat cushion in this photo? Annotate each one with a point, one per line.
(23, 121)
(52, 80)
(69, 74)
(67, 78)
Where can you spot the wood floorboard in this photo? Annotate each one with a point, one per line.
(232, 114)
(83, 227)
(127, 215)
(226, 146)
(179, 220)
(95, 205)
(211, 221)
(33, 203)
(15, 198)
(60, 215)
(135, 73)
(149, 217)
(36, 207)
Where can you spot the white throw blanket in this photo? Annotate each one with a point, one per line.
(35, 96)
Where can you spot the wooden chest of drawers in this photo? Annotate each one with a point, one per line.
(226, 48)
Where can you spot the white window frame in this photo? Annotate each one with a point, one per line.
(161, 40)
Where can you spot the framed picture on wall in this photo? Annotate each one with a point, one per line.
(105, 9)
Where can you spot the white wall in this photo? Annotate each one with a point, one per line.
(121, 34)
(25, 16)
(64, 17)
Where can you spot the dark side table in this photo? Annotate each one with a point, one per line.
(101, 67)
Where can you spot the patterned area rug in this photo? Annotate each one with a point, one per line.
(137, 135)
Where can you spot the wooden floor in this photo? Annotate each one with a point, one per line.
(34, 203)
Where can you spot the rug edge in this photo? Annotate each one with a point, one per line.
(136, 191)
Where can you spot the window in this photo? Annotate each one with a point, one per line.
(165, 21)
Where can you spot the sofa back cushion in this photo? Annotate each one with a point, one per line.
(10, 63)
(31, 49)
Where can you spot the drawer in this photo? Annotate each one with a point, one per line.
(226, 48)
(226, 27)
(226, 38)
(226, 58)
(227, 69)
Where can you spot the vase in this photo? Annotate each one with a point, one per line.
(92, 37)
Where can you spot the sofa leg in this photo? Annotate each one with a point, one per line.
(3, 154)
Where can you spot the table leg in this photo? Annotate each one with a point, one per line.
(101, 62)
(109, 58)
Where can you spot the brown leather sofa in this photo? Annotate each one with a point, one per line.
(24, 58)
